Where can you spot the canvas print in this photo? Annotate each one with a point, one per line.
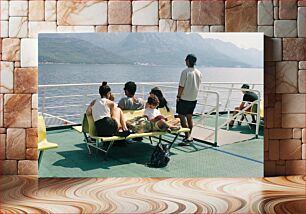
(150, 104)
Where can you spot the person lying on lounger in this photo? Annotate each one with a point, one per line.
(160, 122)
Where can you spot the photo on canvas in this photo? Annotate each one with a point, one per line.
(150, 104)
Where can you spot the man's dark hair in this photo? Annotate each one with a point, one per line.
(192, 59)
(130, 87)
(153, 100)
(245, 86)
(104, 89)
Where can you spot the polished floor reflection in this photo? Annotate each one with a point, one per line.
(154, 195)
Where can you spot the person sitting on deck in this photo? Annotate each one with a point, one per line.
(162, 100)
(160, 122)
(130, 102)
(248, 97)
(109, 119)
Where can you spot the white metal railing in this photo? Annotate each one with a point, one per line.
(69, 107)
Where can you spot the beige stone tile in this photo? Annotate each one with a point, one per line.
(41, 27)
(301, 22)
(275, 11)
(167, 25)
(34, 118)
(50, 10)
(101, 28)
(277, 134)
(293, 49)
(140, 28)
(27, 167)
(273, 49)
(183, 26)
(18, 27)
(269, 118)
(119, 28)
(269, 168)
(17, 64)
(302, 65)
(2, 130)
(297, 133)
(4, 29)
(6, 77)
(290, 149)
(164, 9)
(303, 151)
(15, 144)
(1, 111)
(301, 81)
(119, 12)
(78, 29)
(265, 12)
(287, 9)
(8, 167)
(18, 8)
(11, 49)
(301, 3)
(31, 154)
(280, 170)
(36, 10)
(293, 120)
(82, 12)
(4, 9)
(267, 30)
(274, 150)
(266, 156)
(270, 78)
(216, 28)
(2, 146)
(31, 138)
(34, 101)
(286, 77)
(25, 80)
(207, 12)
(145, 13)
(275, 3)
(134, 29)
(285, 28)
(295, 167)
(17, 110)
(29, 53)
(180, 10)
(293, 103)
(239, 16)
(199, 28)
(304, 135)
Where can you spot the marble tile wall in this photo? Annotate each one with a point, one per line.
(282, 22)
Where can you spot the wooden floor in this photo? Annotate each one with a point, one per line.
(139, 195)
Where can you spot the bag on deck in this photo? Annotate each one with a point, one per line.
(160, 156)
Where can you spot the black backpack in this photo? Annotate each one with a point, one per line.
(160, 156)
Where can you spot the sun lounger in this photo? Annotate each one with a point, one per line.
(104, 144)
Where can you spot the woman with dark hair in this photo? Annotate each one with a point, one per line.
(108, 118)
(162, 100)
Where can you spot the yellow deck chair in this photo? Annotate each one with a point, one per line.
(43, 143)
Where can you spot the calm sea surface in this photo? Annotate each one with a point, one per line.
(84, 73)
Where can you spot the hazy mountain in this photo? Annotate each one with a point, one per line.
(146, 48)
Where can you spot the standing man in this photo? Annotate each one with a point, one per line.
(188, 89)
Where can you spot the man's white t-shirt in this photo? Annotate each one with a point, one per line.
(191, 80)
(151, 113)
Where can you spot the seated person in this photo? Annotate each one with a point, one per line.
(130, 102)
(162, 100)
(248, 97)
(160, 122)
(108, 118)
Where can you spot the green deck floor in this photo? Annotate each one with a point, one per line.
(71, 159)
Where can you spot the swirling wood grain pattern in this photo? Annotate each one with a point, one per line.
(25, 194)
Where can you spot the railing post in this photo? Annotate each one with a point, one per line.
(216, 121)
(258, 117)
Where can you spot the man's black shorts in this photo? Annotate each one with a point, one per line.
(185, 107)
(106, 127)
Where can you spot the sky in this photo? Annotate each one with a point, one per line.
(242, 40)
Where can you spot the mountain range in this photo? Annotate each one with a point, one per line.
(144, 49)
